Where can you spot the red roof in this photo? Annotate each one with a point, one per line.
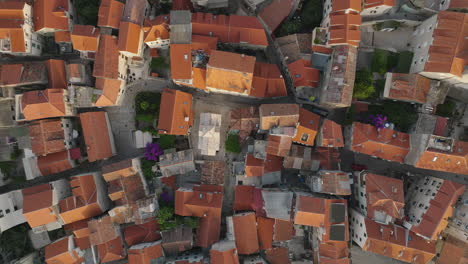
(246, 233)
(176, 116)
(267, 81)
(243, 198)
(303, 74)
(111, 251)
(181, 61)
(384, 194)
(253, 166)
(182, 5)
(145, 253)
(147, 232)
(454, 161)
(54, 163)
(331, 135)
(383, 143)
(344, 29)
(47, 136)
(56, 74)
(265, 230)
(110, 13)
(276, 12)
(98, 136)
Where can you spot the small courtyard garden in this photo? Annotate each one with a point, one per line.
(304, 21)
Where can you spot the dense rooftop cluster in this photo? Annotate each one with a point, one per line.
(227, 132)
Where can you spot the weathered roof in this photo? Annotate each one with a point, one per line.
(97, 134)
(106, 64)
(267, 81)
(245, 232)
(307, 127)
(276, 12)
(43, 104)
(51, 14)
(110, 12)
(54, 163)
(85, 38)
(384, 194)
(47, 136)
(385, 143)
(407, 87)
(176, 116)
(303, 74)
(282, 115)
(224, 252)
(129, 37)
(56, 74)
(330, 135)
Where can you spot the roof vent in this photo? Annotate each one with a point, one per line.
(185, 57)
(394, 189)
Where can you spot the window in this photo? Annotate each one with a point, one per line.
(7, 211)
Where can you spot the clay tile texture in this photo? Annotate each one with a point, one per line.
(176, 116)
(56, 74)
(278, 115)
(51, 15)
(385, 143)
(54, 163)
(43, 104)
(181, 61)
(278, 145)
(110, 13)
(307, 128)
(106, 64)
(330, 135)
(85, 38)
(213, 172)
(129, 37)
(384, 194)
(47, 136)
(98, 136)
(407, 87)
(246, 233)
(455, 161)
(224, 252)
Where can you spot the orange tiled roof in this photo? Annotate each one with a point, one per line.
(110, 13)
(344, 29)
(47, 136)
(245, 232)
(307, 127)
(267, 81)
(96, 134)
(106, 64)
(390, 241)
(276, 12)
(37, 205)
(453, 251)
(334, 252)
(278, 145)
(60, 252)
(111, 251)
(283, 230)
(454, 162)
(458, 4)
(447, 54)
(385, 143)
(335, 182)
(62, 36)
(253, 166)
(230, 29)
(435, 219)
(145, 253)
(205, 43)
(331, 135)
(181, 61)
(147, 232)
(54, 163)
(342, 5)
(265, 230)
(51, 14)
(230, 71)
(85, 37)
(224, 252)
(176, 116)
(243, 198)
(11, 21)
(384, 194)
(129, 37)
(156, 31)
(56, 74)
(43, 104)
(110, 91)
(409, 87)
(304, 75)
(281, 115)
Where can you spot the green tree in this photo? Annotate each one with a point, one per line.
(380, 61)
(144, 105)
(446, 109)
(87, 11)
(363, 86)
(311, 14)
(167, 141)
(233, 143)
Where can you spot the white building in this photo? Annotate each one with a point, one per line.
(209, 134)
(373, 8)
(20, 39)
(11, 210)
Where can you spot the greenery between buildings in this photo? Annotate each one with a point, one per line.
(159, 63)
(446, 109)
(168, 220)
(387, 25)
(167, 141)
(147, 109)
(87, 11)
(233, 143)
(308, 18)
(363, 86)
(401, 114)
(384, 61)
(146, 168)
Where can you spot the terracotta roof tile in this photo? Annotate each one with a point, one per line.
(176, 116)
(102, 230)
(43, 104)
(303, 74)
(342, 5)
(97, 135)
(181, 61)
(253, 166)
(51, 14)
(453, 251)
(11, 21)
(61, 252)
(224, 252)
(205, 43)
(267, 81)
(276, 12)
(147, 232)
(455, 161)
(37, 205)
(385, 143)
(85, 38)
(111, 251)
(62, 36)
(335, 182)
(265, 230)
(331, 135)
(107, 58)
(230, 72)
(110, 13)
(447, 54)
(243, 198)
(129, 37)
(344, 29)
(375, 3)
(56, 74)
(334, 252)
(282, 115)
(213, 172)
(283, 230)
(54, 163)
(279, 145)
(47, 136)
(307, 127)
(145, 253)
(246, 233)
(230, 29)
(384, 194)
(458, 4)
(110, 91)
(408, 87)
